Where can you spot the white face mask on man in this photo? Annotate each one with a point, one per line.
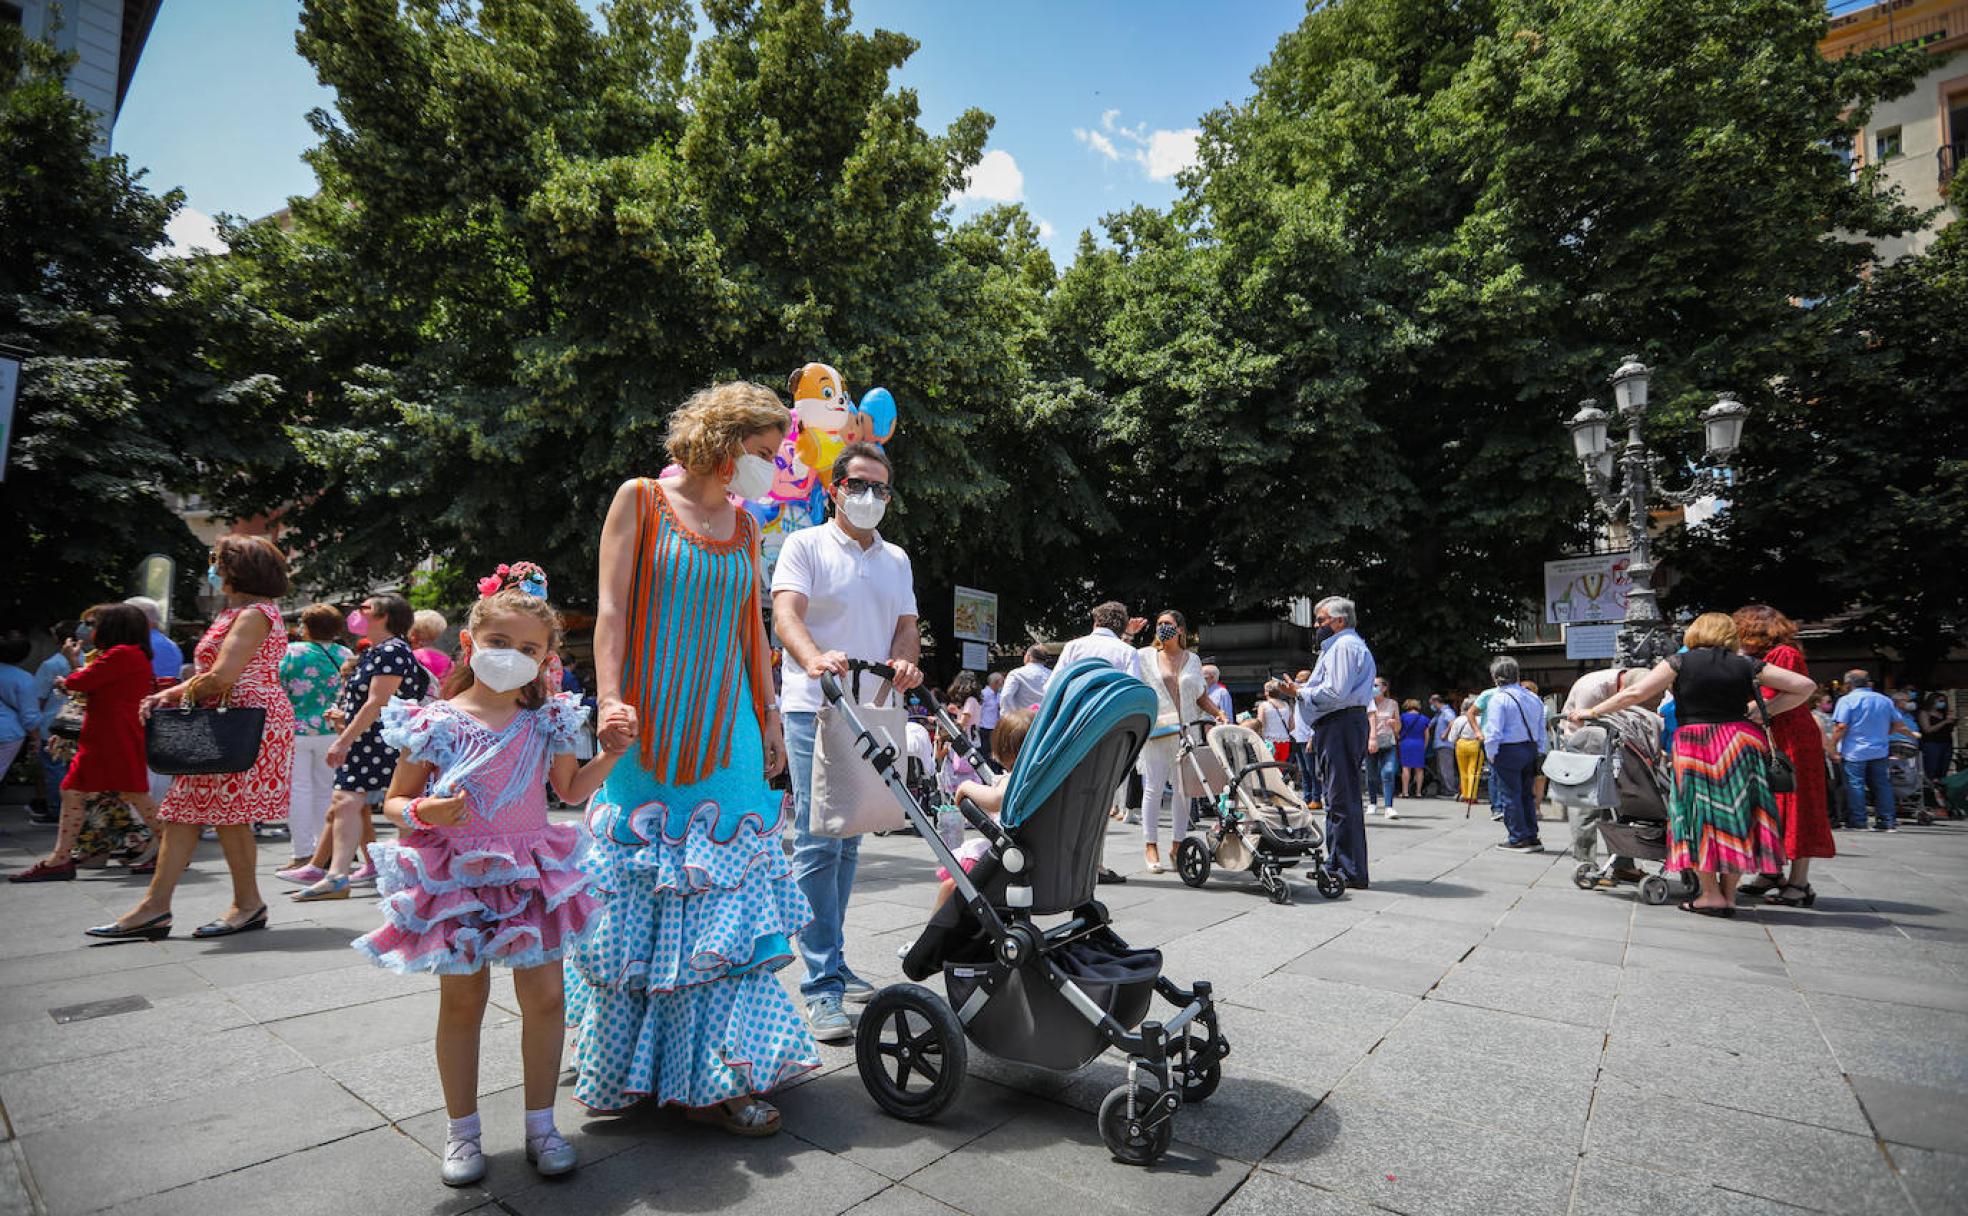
(751, 476)
(863, 510)
(503, 670)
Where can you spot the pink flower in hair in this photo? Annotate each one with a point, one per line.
(489, 585)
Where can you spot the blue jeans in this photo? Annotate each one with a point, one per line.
(1875, 773)
(1513, 771)
(1308, 764)
(53, 773)
(1383, 774)
(822, 866)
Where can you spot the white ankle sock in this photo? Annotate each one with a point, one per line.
(462, 1129)
(539, 1123)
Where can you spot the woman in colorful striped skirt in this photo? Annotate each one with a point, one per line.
(1723, 821)
(674, 995)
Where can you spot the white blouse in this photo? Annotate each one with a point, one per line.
(1189, 684)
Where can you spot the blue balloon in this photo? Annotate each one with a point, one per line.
(879, 406)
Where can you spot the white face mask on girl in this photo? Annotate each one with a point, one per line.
(503, 670)
(751, 476)
(863, 510)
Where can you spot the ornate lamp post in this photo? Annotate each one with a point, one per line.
(1644, 637)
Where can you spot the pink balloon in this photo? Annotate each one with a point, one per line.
(357, 623)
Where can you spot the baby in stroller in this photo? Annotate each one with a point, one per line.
(1052, 993)
(1617, 786)
(986, 796)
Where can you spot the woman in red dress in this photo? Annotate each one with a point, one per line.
(110, 755)
(1767, 634)
(238, 660)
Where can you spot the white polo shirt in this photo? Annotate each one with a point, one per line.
(854, 597)
(1102, 645)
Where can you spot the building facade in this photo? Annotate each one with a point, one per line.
(1917, 141)
(106, 37)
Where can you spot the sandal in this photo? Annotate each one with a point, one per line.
(1762, 884)
(753, 1119)
(1721, 913)
(1793, 896)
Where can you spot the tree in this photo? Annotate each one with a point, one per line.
(101, 410)
(1853, 487)
(534, 236)
(1428, 233)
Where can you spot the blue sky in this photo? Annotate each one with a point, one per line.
(1095, 102)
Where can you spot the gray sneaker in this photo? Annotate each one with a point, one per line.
(827, 1021)
(856, 991)
(1526, 846)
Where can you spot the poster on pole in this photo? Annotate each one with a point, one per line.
(154, 577)
(9, 385)
(976, 657)
(1585, 590)
(1591, 641)
(976, 617)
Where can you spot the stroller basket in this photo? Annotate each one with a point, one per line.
(1037, 1025)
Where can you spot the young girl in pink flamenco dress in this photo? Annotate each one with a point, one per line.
(479, 875)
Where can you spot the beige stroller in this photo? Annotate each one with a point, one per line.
(1253, 820)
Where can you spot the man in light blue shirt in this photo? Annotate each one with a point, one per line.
(1514, 739)
(1219, 695)
(1861, 724)
(1335, 702)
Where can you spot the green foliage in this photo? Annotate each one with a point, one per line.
(100, 416)
(1338, 363)
(1854, 488)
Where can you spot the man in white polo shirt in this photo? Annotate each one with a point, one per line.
(1107, 644)
(839, 592)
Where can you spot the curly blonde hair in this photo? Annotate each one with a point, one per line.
(708, 427)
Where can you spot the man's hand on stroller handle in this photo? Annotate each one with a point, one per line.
(832, 660)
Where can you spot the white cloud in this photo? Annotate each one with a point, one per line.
(191, 231)
(1169, 153)
(1046, 230)
(1161, 153)
(995, 179)
(1098, 142)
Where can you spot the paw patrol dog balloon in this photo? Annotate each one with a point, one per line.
(820, 399)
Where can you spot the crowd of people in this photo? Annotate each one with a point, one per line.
(654, 928)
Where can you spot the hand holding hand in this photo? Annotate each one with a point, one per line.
(618, 728)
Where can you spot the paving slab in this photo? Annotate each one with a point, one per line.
(1915, 1115)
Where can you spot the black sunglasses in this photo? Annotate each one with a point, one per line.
(855, 485)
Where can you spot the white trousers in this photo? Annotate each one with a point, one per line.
(314, 784)
(1157, 767)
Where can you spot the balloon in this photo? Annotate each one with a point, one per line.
(817, 450)
(820, 399)
(357, 623)
(878, 407)
(792, 480)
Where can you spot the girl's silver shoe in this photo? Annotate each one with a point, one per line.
(551, 1155)
(464, 1163)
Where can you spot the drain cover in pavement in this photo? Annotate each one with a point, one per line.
(97, 1009)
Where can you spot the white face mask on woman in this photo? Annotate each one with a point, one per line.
(503, 670)
(751, 476)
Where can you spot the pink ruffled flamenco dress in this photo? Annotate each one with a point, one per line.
(504, 886)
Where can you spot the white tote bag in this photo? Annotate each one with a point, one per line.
(849, 796)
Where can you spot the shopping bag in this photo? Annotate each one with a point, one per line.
(850, 798)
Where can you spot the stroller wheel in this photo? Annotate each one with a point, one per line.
(1585, 877)
(1924, 818)
(1689, 883)
(1330, 884)
(1196, 1080)
(911, 1052)
(1192, 861)
(1137, 1141)
(1653, 889)
(1275, 885)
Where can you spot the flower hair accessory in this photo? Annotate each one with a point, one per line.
(519, 576)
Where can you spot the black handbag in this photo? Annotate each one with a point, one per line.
(1783, 778)
(196, 740)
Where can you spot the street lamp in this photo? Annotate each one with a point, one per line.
(1644, 638)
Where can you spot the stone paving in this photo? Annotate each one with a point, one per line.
(1472, 1035)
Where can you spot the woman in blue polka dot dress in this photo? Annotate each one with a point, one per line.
(674, 997)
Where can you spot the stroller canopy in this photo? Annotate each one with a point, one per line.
(1083, 704)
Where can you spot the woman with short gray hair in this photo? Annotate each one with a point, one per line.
(1514, 739)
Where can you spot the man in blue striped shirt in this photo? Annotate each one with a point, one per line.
(1514, 738)
(1335, 702)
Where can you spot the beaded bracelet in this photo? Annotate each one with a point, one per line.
(411, 817)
